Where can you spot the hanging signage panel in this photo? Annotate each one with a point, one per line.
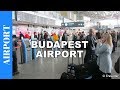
(73, 24)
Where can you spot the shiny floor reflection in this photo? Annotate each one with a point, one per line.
(50, 68)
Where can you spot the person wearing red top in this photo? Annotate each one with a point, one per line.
(27, 36)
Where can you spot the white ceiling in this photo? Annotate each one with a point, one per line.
(100, 14)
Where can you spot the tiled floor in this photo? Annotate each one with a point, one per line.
(49, 68)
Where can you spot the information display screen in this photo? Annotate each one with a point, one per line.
(73, 24)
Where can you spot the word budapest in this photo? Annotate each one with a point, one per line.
(62, 44)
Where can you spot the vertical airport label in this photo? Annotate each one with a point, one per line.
(5, 44)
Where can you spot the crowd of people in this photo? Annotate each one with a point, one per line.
(75, 36)
(101, 44)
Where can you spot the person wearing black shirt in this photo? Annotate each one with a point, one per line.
(39, 36)
(90, 50)
(65, 38)
(98, 35)
(45, 35)
(21, 35)
(35, 35)
(114, 40)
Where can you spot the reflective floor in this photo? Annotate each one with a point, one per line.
(50, 68)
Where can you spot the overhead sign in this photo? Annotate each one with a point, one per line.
(73, 24)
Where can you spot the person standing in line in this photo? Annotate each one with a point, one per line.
(104, 50)
(74, 38)
(39, 36)
(82, 38)
(114, 40)
(118, 39)
(65, 38)
(45, 38)
(54, 39)
(90, 49)
(119, 36)
(27, 35)
(45, 35)
(35, 35)
(98, 35)
(60, 35)
(21, 35)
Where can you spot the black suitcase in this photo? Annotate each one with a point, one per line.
(67, 76)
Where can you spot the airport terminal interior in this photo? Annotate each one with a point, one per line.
(59, 26)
